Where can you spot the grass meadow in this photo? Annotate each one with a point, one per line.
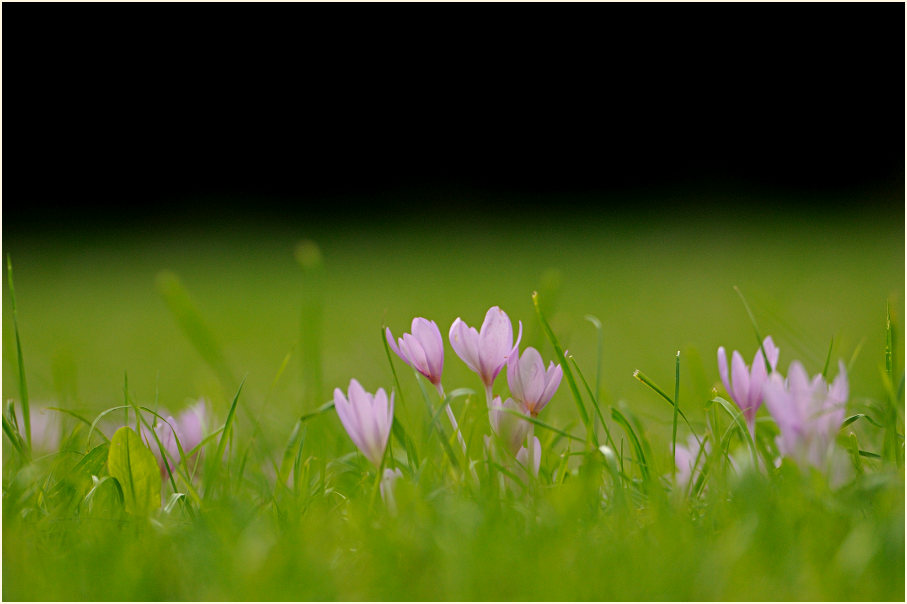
(264, 320)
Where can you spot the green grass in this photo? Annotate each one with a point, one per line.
(247, 305)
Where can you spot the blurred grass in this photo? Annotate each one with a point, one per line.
(89, 311)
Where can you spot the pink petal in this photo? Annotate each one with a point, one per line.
(464, 340)
(741, 381)
(514, 380)
(722, 370)
(393, 345)
(429, 337)
(532, 374)
(416, 354)
(495, 343)
(771, 352)
(553, 378)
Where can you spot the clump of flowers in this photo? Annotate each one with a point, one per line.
(189, 427)
(746, 389)
(808, 412)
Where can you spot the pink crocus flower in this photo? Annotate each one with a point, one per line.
(529, 381)
(511, 429)
(746, 389)
(423, 349)
(808, 412)
(366, 418)
(188, 427)
(487, 350)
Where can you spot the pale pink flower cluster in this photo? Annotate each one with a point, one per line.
(808, 411)
(189, 427)
(367, 419)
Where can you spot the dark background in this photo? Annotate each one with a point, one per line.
(128, 122)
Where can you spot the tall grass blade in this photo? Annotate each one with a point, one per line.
(397, 428)
(644, 379)
(23, 385)
(222, 442)
(594, 399)
(759, 338)
(641, 461)
(676, 411)
(828, 358)
(599, 350)
(590, 429)
(308, 256)
(190, 320)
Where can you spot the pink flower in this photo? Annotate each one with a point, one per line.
(748, 383)
(366, 418)
(808, 412)
(423, 349)
(510, 428)
(487, 350)
(188, 427)
(529, 381)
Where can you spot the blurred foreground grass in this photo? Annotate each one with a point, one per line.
(89, 313)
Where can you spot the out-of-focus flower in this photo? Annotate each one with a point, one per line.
(808, 412)
(746, 389)
(529, 381)
(45, 428)
(685, 458)
(366, 418)
(386, 486)
(189, 427)
(535, 451)
(511, 429)
(423, 349)
(487, 350)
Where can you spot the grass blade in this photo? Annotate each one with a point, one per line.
(189, 319)
(222, 442)
(590, 429)
(676, 411)
(759, 338)
(738, 419)
(539, 422)
(642, 377)
(23, 385)
(828, 357)
(594, 398)
(619, 417)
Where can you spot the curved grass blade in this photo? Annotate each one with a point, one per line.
(676, 411)
(738, 419)
(542, 424)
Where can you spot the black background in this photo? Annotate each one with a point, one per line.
(124, 116)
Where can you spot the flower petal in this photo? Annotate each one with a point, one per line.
(722, 370)
(465, 340)
(741, 381)
(429, 337)
(495, 343)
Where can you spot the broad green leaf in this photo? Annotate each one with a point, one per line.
(136, 469)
